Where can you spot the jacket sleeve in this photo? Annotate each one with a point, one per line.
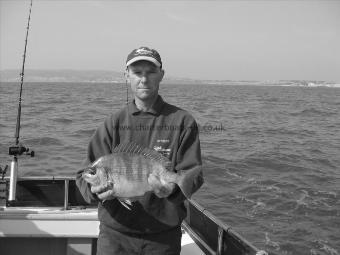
(100, 145)
(188, 156)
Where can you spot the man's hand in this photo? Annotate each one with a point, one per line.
(104, 192)
(160, 189)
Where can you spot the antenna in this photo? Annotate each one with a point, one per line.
(19, 149)
(126, 85)
(127, 92)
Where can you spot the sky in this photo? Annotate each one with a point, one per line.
(216, 40)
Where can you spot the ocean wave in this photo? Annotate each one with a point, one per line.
(271, 243)
(35, 111)
(312, 112)
(323, 247)
(274, 164)
(44, 141)
(233, 174)
(62, 120)
(288, 131)
(85, 133)
(310, 204)
(302, 200)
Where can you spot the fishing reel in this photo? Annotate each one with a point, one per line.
(16, 151)
(19, 150)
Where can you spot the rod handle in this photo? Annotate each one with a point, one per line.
(13, 180)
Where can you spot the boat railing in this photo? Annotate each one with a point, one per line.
(60, 191)
(211, 234)
(214, 236)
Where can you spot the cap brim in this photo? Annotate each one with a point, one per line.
(146, 58)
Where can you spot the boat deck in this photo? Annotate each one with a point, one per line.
(73, 231)
(49, 216)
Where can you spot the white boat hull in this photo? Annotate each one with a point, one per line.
(77, 228)
(50, 217)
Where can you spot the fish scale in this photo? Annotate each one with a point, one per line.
(135, 169)
(129, 169)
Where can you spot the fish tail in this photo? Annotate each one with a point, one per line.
(185, 180)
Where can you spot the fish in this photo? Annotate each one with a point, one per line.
(132, 170)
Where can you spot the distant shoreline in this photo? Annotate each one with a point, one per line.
(114, 77)
(230, 83)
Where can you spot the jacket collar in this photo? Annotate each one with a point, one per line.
(155, 108)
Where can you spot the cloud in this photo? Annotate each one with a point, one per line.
(181, 18)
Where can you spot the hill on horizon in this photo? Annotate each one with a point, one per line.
(70, 75)
(105, 76)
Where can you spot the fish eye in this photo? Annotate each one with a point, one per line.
(90, 170)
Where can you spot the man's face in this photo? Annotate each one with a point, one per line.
(144, 78)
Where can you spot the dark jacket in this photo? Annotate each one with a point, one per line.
(164, 128)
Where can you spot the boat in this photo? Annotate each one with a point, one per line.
(49, 216)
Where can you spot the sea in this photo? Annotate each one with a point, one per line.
(271, 153)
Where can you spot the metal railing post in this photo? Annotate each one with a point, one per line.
(220, 241)
(67, 184)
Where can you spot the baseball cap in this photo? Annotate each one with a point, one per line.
(144, 53)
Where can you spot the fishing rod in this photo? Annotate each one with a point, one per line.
(19, 149)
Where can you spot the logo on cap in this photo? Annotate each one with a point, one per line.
(144, 53)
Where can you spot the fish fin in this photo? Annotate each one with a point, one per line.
(126, 203)
(185, 180)
(134, 199)
(129, 147)
(136, 149)
(89, 175)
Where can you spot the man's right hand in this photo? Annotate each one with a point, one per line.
(104, 192)
(160, 189)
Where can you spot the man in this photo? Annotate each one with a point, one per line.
(152, 226)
